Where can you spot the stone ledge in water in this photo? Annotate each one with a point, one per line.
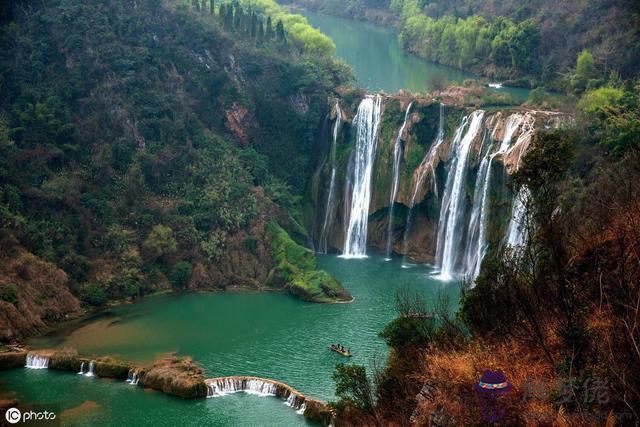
(312, 409)
(175, 376)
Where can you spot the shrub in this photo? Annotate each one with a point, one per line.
(94, 294)
(9, 293)
(353, 386)
(181, 275)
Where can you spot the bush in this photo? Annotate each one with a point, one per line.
(408, 331)
(353, 386)
(94, 294)
(9, 293)
(181, 275)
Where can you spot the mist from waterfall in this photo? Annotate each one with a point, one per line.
(366, 122)
(397, 157)
(450, 229)
(324, 235)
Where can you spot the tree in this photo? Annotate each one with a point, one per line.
(280, 35)
(269, 30)
(181, 275)
(212, 7)
(353, 386)
(159, 243)
(585, 72)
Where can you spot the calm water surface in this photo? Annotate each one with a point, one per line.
(267, 335)
(380, 62)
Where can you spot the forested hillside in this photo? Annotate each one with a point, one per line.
(147, 145)
(539, 40)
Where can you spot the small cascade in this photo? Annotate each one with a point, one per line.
(366, 122)
(324, 236)
(451, 212)
(517, 231)
(223, 386)
(302, 408)
(81, 372)
(426, 167)
(89, 372)
(295, 401)
(397, 156)
(133, 377)
(35, 361)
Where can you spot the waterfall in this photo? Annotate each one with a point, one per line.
(475, 231)
(451, 212)
(81, 372)
(133, 377)
(517, 230)
(332, 185)
(366, 121)
(425, 166)
(476, 235)
(35, 361)
(397, 156)
(295, 401)
(223, 386)
(89, 373)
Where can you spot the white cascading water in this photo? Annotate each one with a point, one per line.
(81, 372)
(296, 402)
(449, 226)
(474, 239)
(35, 361)
(517, 230)
(224, 386)
(366, 122)
(397, 156)
(324, 236)
(425, 167)
(477, 241)
(133, 377)
(89, 373)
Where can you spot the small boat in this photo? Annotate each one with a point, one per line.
(340, 350)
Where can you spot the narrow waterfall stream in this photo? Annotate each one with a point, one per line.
(332, 184)
(366, 122)
(449, 227)
(476, 235)
(426, 166)
(397, 156)
(517, 230)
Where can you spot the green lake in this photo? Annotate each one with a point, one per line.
(379, 61)
(262, 334)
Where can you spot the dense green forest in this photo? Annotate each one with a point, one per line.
(141, 145)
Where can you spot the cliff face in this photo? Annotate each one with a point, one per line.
(423, 171)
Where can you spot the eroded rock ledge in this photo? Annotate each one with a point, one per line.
(170, 374)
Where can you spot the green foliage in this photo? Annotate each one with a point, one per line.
(9, 293)
(353, 386)
(180, 275)
(600, 100)
(298, 268)
(408, 331)
(474, 41)
(94, 294)
(160, 242)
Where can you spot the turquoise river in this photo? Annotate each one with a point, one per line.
(262, 334)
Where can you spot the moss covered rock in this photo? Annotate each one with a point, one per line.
(175, 376)
(298, 272)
